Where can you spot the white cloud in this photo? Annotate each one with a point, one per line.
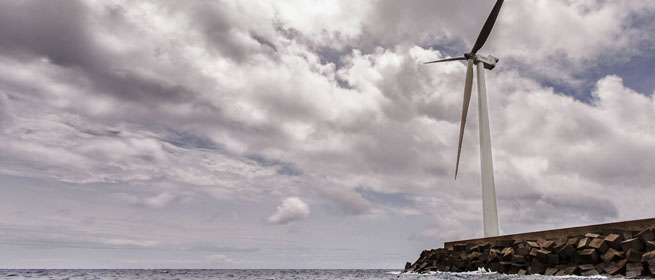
(292, 209)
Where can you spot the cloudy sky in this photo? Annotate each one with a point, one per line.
(307, 134)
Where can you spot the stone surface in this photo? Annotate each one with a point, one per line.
(612, 255)
(536, 267)
(523, 251)
(614, 241)
(507, 253)
(590, 272)
(551, 271)
(632, 243)
(553, 259)
(599, 244)
(542, 255)
(633, 256)
(650, 264)
(612, 268)
(566, 252)
(588, 256)
(570, 270)
(645, 235)
(592, 235)
(648, 256)
(583, 243)
(634, 270)
(545, 244)
(650, 245)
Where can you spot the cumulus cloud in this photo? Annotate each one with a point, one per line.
(292, 209)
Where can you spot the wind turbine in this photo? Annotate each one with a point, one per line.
(490, 214)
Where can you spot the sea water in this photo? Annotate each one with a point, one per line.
(263, 274)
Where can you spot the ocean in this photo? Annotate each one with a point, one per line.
(260, 274)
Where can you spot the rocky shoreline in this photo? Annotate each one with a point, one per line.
(612, 253)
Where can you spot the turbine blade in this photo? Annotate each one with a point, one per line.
(447, 59)
(465, 109)
(488, 25)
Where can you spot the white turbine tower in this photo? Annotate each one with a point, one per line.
(490, 214)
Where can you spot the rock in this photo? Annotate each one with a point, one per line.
(587, 267)
(493, 256)
(474, 256)
(632, 243)
(533, 244)
(516, 268)
(542, 255)
(592, 235)
(612, 268)
(558, 245)
(494, 267)
(583, 243)
(533, 252)
(588, 256)
(553, 259)
(484, 257)
(573, 241)
(522, 272)
(627, 235)
(651, 266)
(517, 243)
(408, 265)
(614, 241)
(648, 256)
(590, 272)
(524, 251)
(518, 259)
(551, 271)
(633, 256)
(612, 255)
(566, 252)
(599, 244)
(545, 244)
(507, 254)
(632, 274)
(536, 267)
(650, 245)
(634, 266)
(569, 270)
(634, 270)
(645, 235)
(505, 267)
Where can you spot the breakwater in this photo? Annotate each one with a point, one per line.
(624, 249)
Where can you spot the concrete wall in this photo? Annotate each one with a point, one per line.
(634, 225)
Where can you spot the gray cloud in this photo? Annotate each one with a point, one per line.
(189, 110)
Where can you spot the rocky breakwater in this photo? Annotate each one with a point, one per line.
(617, 253)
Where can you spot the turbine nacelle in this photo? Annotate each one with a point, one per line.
(488, 61)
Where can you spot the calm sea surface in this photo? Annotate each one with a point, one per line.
(300, 274)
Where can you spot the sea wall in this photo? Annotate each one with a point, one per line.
(625, 249)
